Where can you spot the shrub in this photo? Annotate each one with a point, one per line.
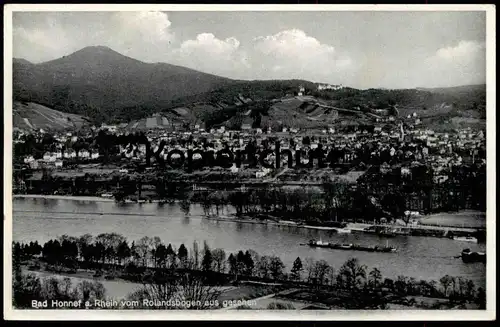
(280, 306)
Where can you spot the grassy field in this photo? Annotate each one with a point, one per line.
(29, 115)
(471, 219)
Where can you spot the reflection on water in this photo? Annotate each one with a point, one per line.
(419, 257)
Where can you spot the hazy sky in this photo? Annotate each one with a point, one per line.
(359, 49)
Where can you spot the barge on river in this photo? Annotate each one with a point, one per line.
(350, 246)
(469, 256)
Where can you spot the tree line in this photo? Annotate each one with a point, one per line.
(167, 271)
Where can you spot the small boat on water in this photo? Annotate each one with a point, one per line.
(469, 239)
(106, 195)
(343, 231)
(469, 256)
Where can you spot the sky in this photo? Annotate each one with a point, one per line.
(357, 49)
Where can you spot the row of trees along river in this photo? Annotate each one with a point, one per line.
(167, 272)
(372, 197)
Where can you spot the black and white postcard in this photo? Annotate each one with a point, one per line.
(249, 162)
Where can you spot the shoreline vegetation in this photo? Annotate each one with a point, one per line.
(205, 278)
(429, 230)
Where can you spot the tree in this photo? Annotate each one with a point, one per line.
(297, 269)
(187, 288)
(276, 267)
(470, 290)
(375, 278)
(182, 253)
(481, 298)
(310, 269)
(25, 288)
(196, 255)
(249, 263)
(280, 306)
(171, 257)
(123, 252)
(233, 265)
(321, 269)
(111, 242)
(206, 264)
(90, 291)
(352, 275)
(161, 286)
(143, 248)
(194, 291)
(55, 288)
(263, 266)
(401, 285)
(446, 282)
(396, 205)
(240, 262)
(219, 258)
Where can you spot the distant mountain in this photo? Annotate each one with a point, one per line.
(99, 82)
(29, 116)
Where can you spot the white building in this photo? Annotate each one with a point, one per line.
(29, 159)
(84, 154)
(329, 87)
(234, 169)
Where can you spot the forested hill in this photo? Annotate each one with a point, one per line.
(106, 86)
(99, 83)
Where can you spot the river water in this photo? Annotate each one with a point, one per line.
(420, 257)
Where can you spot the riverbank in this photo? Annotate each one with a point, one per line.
(422, 231)
(427, 230)
(62, 197)
(281, 223)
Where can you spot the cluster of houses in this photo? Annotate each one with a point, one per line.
(58, 158)
(383, 146)
(440, 150)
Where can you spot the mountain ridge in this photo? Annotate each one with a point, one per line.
(100, 79)
(100, 83)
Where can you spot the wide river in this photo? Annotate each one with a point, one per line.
(419, 257)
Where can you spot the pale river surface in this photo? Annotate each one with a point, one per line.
(419, 257)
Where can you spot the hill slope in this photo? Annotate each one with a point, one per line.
(28, 115)
(104, 85)
(99, 82)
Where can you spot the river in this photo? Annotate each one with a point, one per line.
(420, 257)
